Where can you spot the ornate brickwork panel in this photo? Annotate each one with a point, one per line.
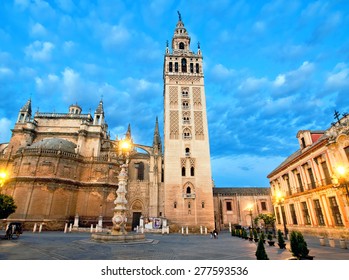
(184, 79)
(199, 128)
(192, 162)
(174, 125)
(183, 161)
(173, 97)
(197, 97)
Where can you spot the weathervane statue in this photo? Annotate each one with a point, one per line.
(179, 16)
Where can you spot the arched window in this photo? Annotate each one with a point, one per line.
(189, 205)
(176, 66)
(181, 46)
(186, 134)
(184, 65)
(185, 105)
(170, 67)
(192, 170)
(203, 204)
(188, 190)
(197, 68)
(191, 68)
(140, 171)
(183, 171)
(175, 204)
(187, 152)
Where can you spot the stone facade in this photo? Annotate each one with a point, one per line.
(309, 194)
(187, 178)
(60, 165)
(239, 206)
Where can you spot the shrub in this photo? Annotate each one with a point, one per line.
(281, 240)
(261, 254)
(7, 206)
(299, 247)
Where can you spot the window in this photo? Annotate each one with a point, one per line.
(187, 152)
(192, 171)
(185, 105)
(287, 179)
(326, 172)
(293, 214)
(184, 65)
(185, 94)
(189, 205)
(335, 211)
(175, 205)
(264, 205)
(191, 68)
(228, 205)
(318, 211)
(301, 189)
(305, 213)
(283, 215)
(186, 120)
(140, 171)
(188, 190)
(197, 68)
(303, 142)
(311, 177)
(170, 67)
(203, 204)
(183, 171)
(181, 46)
(176, 66)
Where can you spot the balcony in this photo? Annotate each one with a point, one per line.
(189, 195)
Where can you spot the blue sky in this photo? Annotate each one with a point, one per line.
(271, 68)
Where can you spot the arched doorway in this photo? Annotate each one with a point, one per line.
(136, 209)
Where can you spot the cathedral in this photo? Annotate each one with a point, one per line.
(63, 165)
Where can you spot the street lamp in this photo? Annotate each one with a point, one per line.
(3, 176)
(119, 218)
(250, 213)
(340, 180)
(280, 200)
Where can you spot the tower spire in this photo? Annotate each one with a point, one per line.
(128, 133)
(25, 112)
(157, 138)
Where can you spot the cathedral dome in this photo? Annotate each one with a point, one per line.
(55, 144)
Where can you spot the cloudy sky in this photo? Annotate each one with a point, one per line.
(271, 68)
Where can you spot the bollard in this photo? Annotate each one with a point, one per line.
(70, 227)
(34, 228)
(65, 227)
(168, 229)
(229, 226)
(182, 230)
(91, 229)
(186, 230)
(201, 230)
(40, 228)
(205, 230)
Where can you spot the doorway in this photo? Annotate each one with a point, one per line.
(135, 219)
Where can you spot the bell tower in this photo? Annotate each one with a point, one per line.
(187, 169)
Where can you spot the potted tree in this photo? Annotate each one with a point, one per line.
(271, 242)
(255, 235)
(262, 237)
(281, 240)
(250, 235)
(299, 247)
(261, 254)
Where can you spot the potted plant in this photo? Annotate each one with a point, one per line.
(271, 242)
(261, 254)
(299, 247)
(262, 237)
(250, 234)
(342, 243)
(255, 235)
(281, 240)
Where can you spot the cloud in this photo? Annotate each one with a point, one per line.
(6, 125)
(39, 51)
(241, 167)
(5, 73)
(114, 35)
(338, 79)
(38, 30)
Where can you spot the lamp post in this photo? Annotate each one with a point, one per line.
(119, 218)
(3, 176)
(339, 180)
(279, 201)
(250, 213)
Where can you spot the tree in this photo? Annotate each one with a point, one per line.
(268, 219)
(7, 206)
(261, 254)
(299, 247)
(281, 240)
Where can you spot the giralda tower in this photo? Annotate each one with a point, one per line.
(188, 184)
